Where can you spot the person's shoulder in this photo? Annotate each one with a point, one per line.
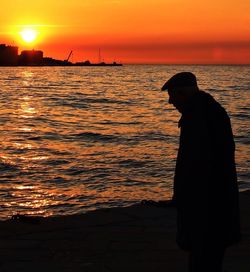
(203, 106)
(213, 110)
(210, 103)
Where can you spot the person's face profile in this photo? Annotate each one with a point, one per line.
(176, 99)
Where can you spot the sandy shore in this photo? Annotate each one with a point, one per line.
(135, 238)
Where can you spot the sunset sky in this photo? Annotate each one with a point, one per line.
(132, 31)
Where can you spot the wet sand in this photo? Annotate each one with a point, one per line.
(136, 238)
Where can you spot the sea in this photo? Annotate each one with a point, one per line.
(76, 139)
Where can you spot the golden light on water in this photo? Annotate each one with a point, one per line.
(69, 148)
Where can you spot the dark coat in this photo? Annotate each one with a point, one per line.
(205, 184)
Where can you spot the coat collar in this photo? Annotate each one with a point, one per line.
(192, 105)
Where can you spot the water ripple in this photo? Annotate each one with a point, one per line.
(76, 139)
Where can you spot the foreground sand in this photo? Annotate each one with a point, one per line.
(135, 238)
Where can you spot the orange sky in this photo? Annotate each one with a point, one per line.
(133, 31)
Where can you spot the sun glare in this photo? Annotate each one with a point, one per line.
(28, 35)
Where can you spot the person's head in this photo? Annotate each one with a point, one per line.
(180, 88)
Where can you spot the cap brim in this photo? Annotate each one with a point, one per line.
(165, 86)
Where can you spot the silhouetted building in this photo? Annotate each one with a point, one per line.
(31, 57)
(8, 55)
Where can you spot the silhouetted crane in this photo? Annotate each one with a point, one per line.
(69, 56)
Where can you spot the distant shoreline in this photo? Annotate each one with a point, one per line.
(66, 64)
(9, 57)
(123, 64)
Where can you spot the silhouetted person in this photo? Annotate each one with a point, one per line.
(205, 182)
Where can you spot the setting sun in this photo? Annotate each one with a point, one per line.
(28, 35)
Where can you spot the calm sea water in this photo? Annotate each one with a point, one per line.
(75, 139)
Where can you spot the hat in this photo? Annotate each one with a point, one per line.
(183, 79)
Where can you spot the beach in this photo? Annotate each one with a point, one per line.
(134, 238)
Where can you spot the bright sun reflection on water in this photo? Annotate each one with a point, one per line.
(27, 107)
